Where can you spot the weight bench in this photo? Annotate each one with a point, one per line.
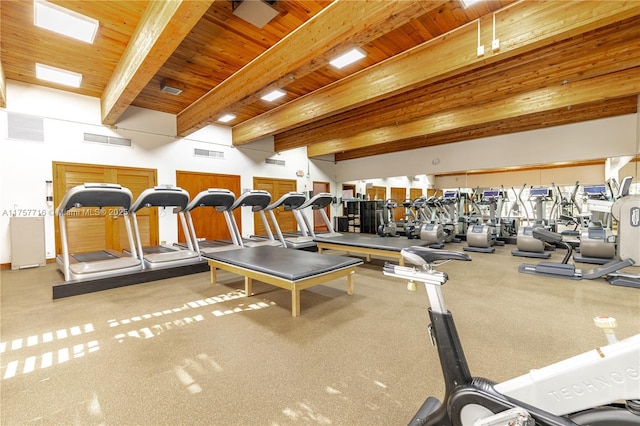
(368, 245)
(293, 270)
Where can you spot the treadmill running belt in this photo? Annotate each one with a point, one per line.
(157, 249)
(93, 256)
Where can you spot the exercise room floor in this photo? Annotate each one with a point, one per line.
(185, 352)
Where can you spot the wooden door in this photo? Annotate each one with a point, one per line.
(415, 193)
(398, 194)
(318, 222)
(277, 188)
(377, 193)
(92, 229)
(208, 223)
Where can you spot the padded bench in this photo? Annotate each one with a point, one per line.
(293, 270)
(368, 245)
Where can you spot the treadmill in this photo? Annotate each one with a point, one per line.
(221, 200)
(258, 200)
(164, 256)
(317, 202)
(100, 264)
(291, 201)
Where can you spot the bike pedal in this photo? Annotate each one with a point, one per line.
(513, 417)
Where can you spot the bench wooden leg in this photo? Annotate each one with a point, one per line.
(350, 283)
(295, 302)
(212, 275)
(248, 286)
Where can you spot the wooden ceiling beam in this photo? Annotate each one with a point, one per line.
(614, 48)
(521, 27)
(554, 117)
(3, 80)
(3, 88)
(338, 27)
(161, 29)
(614, 85)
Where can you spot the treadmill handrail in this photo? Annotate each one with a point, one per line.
(95, 195)
(221, 199)
(161, 197)
(318, 201)
(291, 200)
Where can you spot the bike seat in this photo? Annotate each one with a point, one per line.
(546, 235)
(422, 255)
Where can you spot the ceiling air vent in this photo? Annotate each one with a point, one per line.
(171, 87)
(275, 162)
(25, 127)
(106, 140)
(255, 12)
(208, 153)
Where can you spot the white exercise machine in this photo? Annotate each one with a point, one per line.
(586, 389)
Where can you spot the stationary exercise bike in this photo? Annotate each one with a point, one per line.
(564, 393)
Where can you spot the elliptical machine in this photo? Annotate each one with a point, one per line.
(481, 237)
(626, 210)
(597, 240)
(388, 227)
(527, 245)
(440, 228)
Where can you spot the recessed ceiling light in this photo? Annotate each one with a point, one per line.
(64, 21)
(226, 118)
(467, 3)
(348, 58)
(273, 95)
(57, 75)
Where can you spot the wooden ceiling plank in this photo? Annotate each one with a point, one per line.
(521, 27)
(3, 80)
(556, 117)
(339, 26)
(3, 88)
(614, 85)
(162, 27)
(605, 54)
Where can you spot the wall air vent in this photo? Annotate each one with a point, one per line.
(275, 162)
(25, 127)
(208, 153)
(106, 140)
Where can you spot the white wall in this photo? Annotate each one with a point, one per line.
(26, 166)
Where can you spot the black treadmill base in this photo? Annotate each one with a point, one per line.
(532, 254)
(75, 288)
(591, 260)
(479, 249)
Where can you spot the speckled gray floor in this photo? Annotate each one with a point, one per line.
(184, 352)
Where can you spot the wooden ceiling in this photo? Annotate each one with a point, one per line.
(422, 83)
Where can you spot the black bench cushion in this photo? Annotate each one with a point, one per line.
(371, 241)
(288, 264)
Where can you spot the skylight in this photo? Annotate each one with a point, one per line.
(348, 58)
(226, 118)
(64, 21)
(273, 95)
(57, 75)
(468, 3)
